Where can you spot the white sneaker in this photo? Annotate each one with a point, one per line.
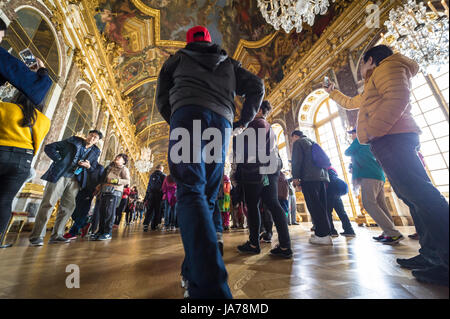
(316, 240)
(184, 282)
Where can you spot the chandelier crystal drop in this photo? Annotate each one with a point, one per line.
(420, 35)
(145, 162)
(290, 14)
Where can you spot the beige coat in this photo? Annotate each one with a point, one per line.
(121, 173)
(384, 106)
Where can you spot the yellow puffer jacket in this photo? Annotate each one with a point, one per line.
(384, 106)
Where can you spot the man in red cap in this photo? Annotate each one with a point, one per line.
(196, 91)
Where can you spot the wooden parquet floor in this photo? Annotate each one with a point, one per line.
(147, 265)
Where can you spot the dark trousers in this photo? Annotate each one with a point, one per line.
(334, 201)
(108, 206)
(15, 167)
(130, 212)
(266, 221)
(153, 213)
(81, 212)
(254, 193)
(316, 200)
(397, 154)
(197, 188)
(120, 209)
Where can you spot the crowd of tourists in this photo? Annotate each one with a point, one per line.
(197, 198)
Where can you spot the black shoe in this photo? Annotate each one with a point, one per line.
(221, 248)
(348, 234)
(392, 240)
(414, 236)
(248, 249)
(417, 262)
(313, 228)
(265, 237)
(5, 246)
(296, 223)
(334, 233)
(285, 253)
(436, 275)
(145, 228)
(59, 240)
(378, 238)
(36, 242)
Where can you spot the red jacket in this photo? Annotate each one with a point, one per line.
(126, 192)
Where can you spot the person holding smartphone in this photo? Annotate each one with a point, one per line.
(33, 80)
(73, 159)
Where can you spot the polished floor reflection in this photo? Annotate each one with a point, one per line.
(147, 265)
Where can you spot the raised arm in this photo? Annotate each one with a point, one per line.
(251, 88)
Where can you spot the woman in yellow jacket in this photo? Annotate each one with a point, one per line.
(22, 129)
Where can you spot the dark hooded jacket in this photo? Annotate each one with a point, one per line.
(202, 74)
(64, 155)
(303, 167)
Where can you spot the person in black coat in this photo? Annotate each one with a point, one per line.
(153, 198)
(199, 83)
(73, 159)
(84, 201)
(337, 188)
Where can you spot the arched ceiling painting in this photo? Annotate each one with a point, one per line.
(149, 31)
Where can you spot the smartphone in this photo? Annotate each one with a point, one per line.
(28, 58)
(326, 82)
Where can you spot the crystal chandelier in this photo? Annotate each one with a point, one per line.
(292, 13)
(145, 162)
(418, 34)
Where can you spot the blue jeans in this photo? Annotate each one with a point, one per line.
(197, 188)
(166, 213)
(284, 203)
(397, 155)
(217, 218)
(170, 216)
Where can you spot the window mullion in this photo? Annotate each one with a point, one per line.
(438, 95)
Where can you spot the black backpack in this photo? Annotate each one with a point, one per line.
(156, 181)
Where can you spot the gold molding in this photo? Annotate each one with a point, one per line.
(156, 14)
(252, 44)
(140, 83)
(150, 126)
(347, 31)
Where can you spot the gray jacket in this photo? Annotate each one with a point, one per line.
(303, 167)
(202, 74)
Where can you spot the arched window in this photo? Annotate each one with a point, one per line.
(30, 30)
(80, 118)
(281, 142)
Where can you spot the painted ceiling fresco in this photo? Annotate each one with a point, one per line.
(228, 21)
(121, 22)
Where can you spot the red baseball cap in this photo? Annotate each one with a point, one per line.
(206, 37)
